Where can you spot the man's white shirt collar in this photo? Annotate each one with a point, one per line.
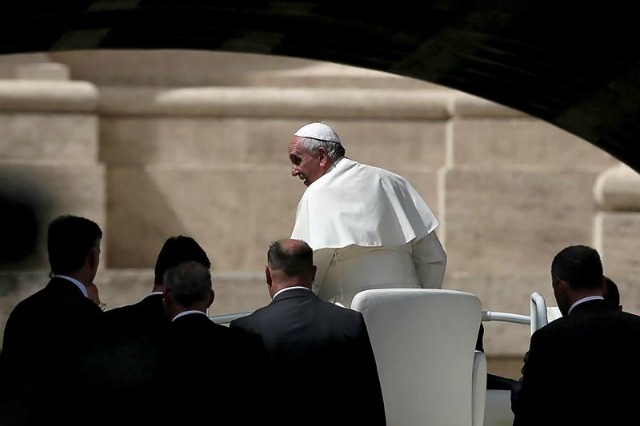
(289, 288)
(78, 284)
(193, 311)
(585, 299)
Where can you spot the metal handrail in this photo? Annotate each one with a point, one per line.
(505, 317)
(225, 319)
(486, 316)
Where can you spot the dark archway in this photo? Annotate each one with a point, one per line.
(572, 64)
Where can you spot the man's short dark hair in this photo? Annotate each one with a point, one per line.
(188, 283)
(178, 249)
(69, 240)
(292, 261)
(580, 266)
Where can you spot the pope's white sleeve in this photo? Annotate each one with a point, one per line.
(430, 261)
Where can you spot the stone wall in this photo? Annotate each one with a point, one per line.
(152, 144)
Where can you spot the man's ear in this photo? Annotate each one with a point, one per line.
(93, 258)
(562, 284)
(313, 272)
(165, 300)
(211, 298)
(267, 275)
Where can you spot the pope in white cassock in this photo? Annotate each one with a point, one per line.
(368, 227)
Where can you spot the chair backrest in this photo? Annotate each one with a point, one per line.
(541, 314)
(538, 311)
(479, 388)
(424, 342)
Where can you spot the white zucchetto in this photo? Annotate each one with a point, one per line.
(318, 131)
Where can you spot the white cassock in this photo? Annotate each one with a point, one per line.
(368, 228)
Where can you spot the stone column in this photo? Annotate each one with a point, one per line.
(617, 230)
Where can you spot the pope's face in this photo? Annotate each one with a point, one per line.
(308, 166)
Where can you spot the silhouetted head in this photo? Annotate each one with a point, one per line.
(289, 263)
(70, 240)
(178, 249)
(187, 286)
(576, 272)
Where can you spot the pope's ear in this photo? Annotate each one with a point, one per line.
(324, 155)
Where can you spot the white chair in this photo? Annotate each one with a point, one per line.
(424, 343)
(498, 408)
(541, 314)
(479, 388)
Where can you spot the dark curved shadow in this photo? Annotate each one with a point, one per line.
(574, 65)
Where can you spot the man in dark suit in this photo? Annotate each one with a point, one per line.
(580, 366)
(149, 314)
(124, 367)
(46, 331)
(209, 366)
(321, 353)
(611, 297)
